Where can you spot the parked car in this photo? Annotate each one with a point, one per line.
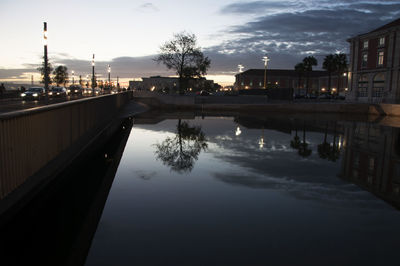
(34, 93)
(75, 90)
(58, 92)
(204, 93)
(325, 96)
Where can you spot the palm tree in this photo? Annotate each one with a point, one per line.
(341, 66)
(303, 148)
(300, 69)
(329, 65)
(309, 62)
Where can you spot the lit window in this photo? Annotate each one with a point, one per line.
(364, 60)
(382, 41)
(365, 44)
(380, 58)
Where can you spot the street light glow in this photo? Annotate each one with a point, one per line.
(240, 68)
(109, 68)
(265, 59)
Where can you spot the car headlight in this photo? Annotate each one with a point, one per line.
(23, 94)
(35, 95)
(50, 93)
(58, 93)
(76, 90)
(68, 91)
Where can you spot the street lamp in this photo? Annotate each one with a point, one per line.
(265, 59)
(93, 77)
(109, 76)
(240, 67)
(46, 67)
(73, 77)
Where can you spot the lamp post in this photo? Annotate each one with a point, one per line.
(73, 77)
(93, 77)
(87, 81)
(46, 62)
(109, 76)
(240, 74)
(265, 59)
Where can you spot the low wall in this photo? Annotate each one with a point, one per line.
(37, 142)
(155, 99)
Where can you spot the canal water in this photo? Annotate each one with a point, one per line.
(253, 190)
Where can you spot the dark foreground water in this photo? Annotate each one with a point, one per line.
(253, 191)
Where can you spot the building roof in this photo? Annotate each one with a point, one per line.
(281, 72)
(389, 25)
(394, 23)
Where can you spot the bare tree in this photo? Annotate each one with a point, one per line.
(182, 55)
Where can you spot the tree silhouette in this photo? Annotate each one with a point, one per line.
(182, 151)
(60, 75)
(304, 151)
(309, 62)
(49, 69)
(300, 69)
(182, 55)
(329, 65)
(341, 67)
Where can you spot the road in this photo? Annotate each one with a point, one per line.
(15, 104)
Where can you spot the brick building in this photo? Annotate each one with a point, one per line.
(285, 78)
(374, 65)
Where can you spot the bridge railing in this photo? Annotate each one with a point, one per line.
(34, 138)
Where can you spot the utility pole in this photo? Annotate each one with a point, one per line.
(93, 77)
(117, 82)
(32, 80)
(265, 59)
(46, 67)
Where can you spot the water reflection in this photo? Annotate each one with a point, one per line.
(182, 151)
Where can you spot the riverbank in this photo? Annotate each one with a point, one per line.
(262, 104)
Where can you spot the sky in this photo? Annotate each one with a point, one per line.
(127, 34)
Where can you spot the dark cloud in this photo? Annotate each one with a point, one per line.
(300, 28)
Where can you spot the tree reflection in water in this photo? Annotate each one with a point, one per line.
(182, 151)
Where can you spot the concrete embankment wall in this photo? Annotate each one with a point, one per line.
(261, 104)
(36, 143)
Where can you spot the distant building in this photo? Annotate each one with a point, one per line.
(285, 78)
(374, 65)
(171, 84)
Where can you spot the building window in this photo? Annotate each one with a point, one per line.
(362, 86)
(382, 41)
(364, 60)
(380, 58)
(378, 85)
(365, 44)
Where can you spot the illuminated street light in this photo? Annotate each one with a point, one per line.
(265, 59)
(241, 67)
(93, 77)
(109, 76)
(46, 67)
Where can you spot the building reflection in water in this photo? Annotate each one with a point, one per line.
(372, 159)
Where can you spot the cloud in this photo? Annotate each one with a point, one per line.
(289, 30)
(148, 7)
